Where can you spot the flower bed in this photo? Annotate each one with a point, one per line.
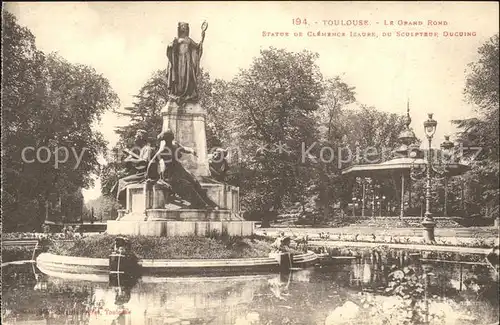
(476, 241)
(37, 235)
(406, 222)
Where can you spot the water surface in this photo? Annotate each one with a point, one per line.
(343, 294)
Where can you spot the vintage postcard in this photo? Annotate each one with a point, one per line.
(249, 163)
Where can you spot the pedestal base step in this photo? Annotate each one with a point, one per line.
(164, 228)
(180, 215)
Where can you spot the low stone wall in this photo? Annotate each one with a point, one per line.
(160, 228)
(484, 237)
(408, 221)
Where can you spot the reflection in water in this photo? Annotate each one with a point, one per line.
(301, 297)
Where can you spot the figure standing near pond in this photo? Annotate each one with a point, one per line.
(184, 56)
(182, 182)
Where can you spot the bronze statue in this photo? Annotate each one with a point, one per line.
(218, 165)
(184, 56)
(138, 162)
(181, 181)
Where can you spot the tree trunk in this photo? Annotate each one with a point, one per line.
(325, 192)
(42, 214)
(265, 219)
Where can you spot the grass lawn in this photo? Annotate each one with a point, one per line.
(100, 246)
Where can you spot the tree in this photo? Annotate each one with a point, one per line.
(220, 124)
(349, 127)
(22, 70)
(104, 207)
(49, 107)
(145, 113)
(370, 128)
(275, 100)
(482, 132)
(482, 81)
(337, 95)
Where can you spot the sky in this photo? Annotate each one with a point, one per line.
(126, 43)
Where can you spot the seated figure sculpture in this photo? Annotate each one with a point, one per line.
(138, 162)
(172, 172)
(218, 165)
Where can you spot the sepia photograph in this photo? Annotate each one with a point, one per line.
(250, 163)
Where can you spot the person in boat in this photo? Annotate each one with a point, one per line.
(182, 182)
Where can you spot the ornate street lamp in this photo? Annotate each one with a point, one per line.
(429, 169)
(429, 224)
(447, 145)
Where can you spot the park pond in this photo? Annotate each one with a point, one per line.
(368, 290)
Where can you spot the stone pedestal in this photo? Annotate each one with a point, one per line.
(150, 210)
(226, 196)
(428, 232)
(149, 214)
(188, 124)
(142, 200)
(159, 228)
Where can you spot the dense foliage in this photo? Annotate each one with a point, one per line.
(49, 149)
(481, 134)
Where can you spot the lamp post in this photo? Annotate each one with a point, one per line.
(428, 222)
(439, 171)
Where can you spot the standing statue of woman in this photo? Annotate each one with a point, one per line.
(183, 183)
(184, 56)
